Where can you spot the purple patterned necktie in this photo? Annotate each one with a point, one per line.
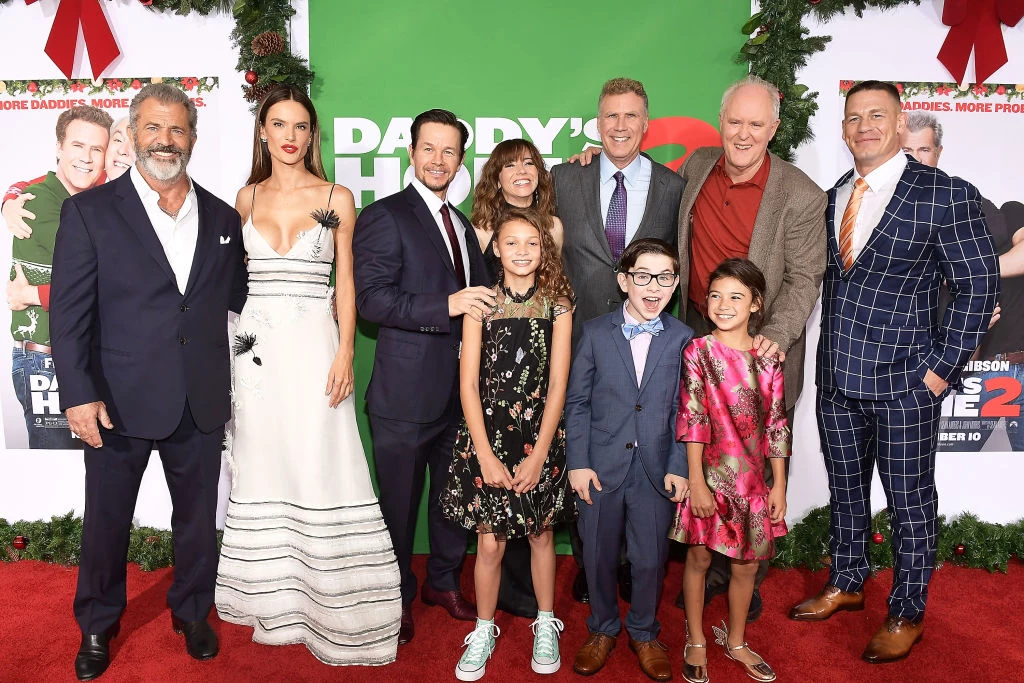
(615, 221)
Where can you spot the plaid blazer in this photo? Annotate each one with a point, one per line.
(880, 326)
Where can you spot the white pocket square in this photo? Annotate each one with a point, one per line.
(225, 239)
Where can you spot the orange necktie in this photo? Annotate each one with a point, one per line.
(849, 220)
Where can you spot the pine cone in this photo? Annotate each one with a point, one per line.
(257, 92)
(267, 43)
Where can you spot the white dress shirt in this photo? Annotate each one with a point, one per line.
(881, 186)
(637, 181)
(178, 236)
(434, 204)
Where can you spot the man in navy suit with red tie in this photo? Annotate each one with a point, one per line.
(145, 269)
(896, 230)
(418, 270)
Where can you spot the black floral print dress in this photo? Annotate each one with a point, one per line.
(514, 369)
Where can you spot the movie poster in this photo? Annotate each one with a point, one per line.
(43, 172)
(958, 128)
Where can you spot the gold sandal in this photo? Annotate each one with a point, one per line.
(694, 673)
(759, 672)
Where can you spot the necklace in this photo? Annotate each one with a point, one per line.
(519, 298)
(172, 214)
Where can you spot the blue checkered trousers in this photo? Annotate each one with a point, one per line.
(880, 333)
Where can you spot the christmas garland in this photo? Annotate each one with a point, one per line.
(964, 540)
(781, 45)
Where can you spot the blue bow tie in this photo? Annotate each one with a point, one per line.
(654, 327)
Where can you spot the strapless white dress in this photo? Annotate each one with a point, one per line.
(306, 556)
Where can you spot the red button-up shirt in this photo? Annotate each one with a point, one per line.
(723, 220)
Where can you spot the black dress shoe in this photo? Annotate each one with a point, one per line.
(626, 582)
(756, 606)
(580, 592)
(407, 630)
(93, 656)
(200, 640)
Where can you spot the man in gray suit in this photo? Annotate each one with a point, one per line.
(740, 200)
(603, 207)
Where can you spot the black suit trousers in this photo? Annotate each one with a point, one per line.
(113, 473)
(403, 452)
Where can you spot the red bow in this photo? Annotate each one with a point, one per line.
(99, 41)
(974, 24)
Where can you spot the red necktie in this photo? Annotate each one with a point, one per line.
(460, 268)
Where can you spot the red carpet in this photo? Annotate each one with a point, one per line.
(972, 633)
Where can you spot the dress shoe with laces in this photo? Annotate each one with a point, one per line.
(452, 601)
(93, 656)
(200, 640)
(593, 654)
(580, 591)
(826, 603)
(893, 641)
(653, 658)
(407, 630)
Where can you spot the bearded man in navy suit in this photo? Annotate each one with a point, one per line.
(145, 269)
(887, 355)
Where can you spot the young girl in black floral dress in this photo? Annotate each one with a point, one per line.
(507, 477)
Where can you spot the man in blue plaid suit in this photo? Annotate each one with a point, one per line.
(896, 230)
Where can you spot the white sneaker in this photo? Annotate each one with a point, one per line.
(546, 630)
(480, 644)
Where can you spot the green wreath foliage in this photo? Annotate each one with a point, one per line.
(780, 46)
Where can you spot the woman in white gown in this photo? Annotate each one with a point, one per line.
(306, 556)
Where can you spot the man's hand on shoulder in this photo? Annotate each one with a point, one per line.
(585, 156)
(83, 421)
(476, 302)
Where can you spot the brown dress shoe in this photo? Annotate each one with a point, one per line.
(591, 657)
(826, 603)
(653, 656)
(453, 602)
(893, 641)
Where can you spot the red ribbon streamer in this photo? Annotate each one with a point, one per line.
(975, 25)
(63, 39)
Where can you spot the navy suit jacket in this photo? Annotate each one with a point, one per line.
(608, 416)
(880, 326)
(121, 331)
(403, 277)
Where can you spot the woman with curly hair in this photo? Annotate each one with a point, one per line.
(514, 176)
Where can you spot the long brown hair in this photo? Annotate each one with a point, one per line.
(261, 166)
(488, 202)
(550, 278)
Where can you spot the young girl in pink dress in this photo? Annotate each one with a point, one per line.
(733, 417)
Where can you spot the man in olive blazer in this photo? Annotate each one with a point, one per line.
(741, 190)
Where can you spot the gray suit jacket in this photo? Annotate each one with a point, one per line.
(788, 245)
(585, 252)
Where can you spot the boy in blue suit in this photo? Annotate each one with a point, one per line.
(624, 462)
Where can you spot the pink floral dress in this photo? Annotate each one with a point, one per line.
(734, 402)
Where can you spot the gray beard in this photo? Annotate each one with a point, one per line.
(162, 170)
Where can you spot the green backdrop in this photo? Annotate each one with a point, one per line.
(532, 63)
